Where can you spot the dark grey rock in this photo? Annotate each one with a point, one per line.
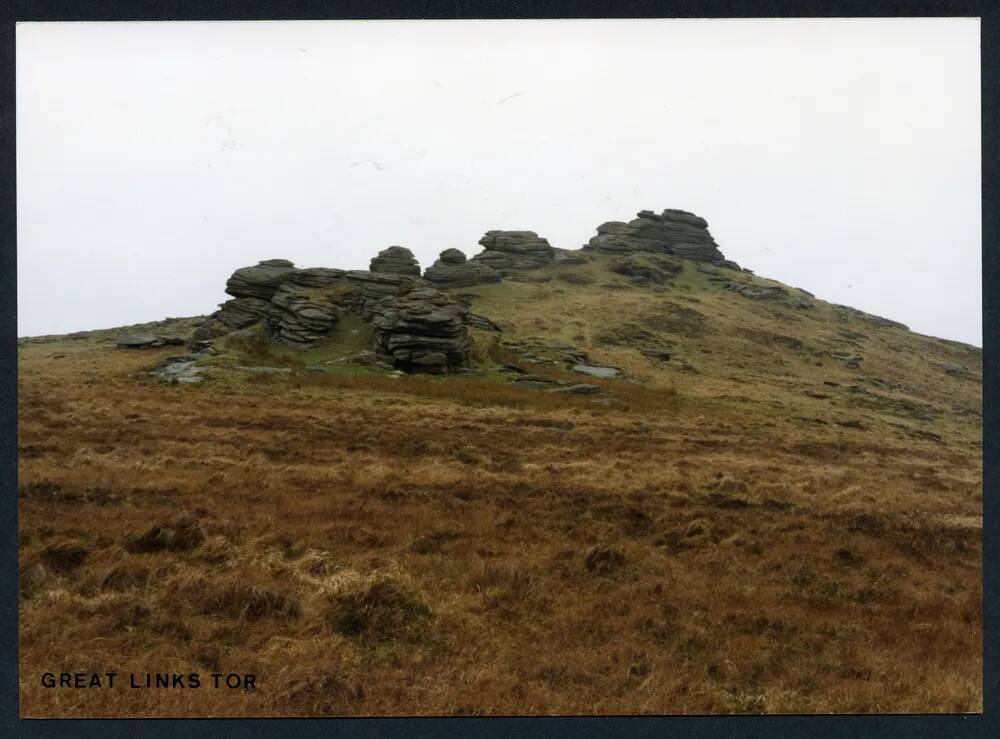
(514, 250)
(422, 330)
(303, 315)
(452, 269)
(260, 281)
(396, 260)
(663, 354)
(672, 231)
(242, 312)
(147, 341)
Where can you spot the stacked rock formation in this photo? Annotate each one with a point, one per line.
(422, 331)
(302, 315)
(514, 250)
(675, 232)
(300, 306)
(396, 260)
(366, 289)
(252, 289)
(452, 269)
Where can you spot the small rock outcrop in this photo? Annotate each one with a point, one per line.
(514, 250)
(647, 267)
(396, 260)
(452, 269)
(422, 331)
(675, 232)
(147, 341)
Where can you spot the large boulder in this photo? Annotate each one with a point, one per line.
(514, 250)
(422, 331)
(396, 260)
(452, 269)
(260, 281)
(672, 231)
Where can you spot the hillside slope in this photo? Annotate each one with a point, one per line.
(776, 508)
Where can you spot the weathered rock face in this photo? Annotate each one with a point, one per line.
(514, 250)
(368, 288)
(260, 281)
(396, 260)
(303, 315)
(316, 277)
(242, 312)
(674, 232)
(452, 269)
(422, 331)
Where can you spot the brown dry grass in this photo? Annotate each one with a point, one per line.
(376, 546)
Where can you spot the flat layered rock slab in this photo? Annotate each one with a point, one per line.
(597, 370)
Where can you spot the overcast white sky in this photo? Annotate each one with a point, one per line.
(841, 156)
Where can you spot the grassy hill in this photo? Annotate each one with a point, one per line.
(785, 515)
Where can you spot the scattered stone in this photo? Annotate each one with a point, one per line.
(148, 341)
(597, 370)
(181, 369)
(776, 293)
(663, 354)
(851, 361)
(538, 382)
(579, 389)
(396, 260)
(265, 370)
(845, 312)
